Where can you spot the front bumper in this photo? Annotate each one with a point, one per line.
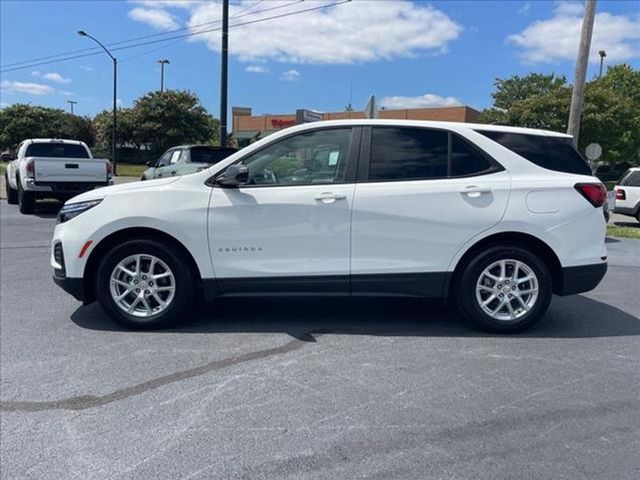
(582, 278)
(73, 286)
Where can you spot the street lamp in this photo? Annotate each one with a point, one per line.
(115, 63)
(602, 54)
(72, 103)
(162, 64)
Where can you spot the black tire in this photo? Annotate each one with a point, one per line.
(26, 200)
(185, 283)
(12, 193)
(470, 275)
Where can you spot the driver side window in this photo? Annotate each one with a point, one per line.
(317, 157)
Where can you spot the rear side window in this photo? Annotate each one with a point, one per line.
(408, 154)
(57, 150)
(552, 153)
(631, 180)
(466, 160)
(209, 155)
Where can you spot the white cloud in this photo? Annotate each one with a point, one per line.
(428, 100)
(290, 75)
(51, 76)
(546, 41)
(358, 31)
(86, 68)
(257, 69)
(26, 87)
(524, 9)
(157, 18)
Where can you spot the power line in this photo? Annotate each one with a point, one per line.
(97, 50)
(182, 36)
(237, 15)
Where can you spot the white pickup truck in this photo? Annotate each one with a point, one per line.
(53, 168)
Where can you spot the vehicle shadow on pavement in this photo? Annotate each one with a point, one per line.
(568, 317)
(47, 209)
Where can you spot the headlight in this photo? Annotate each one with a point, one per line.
(71, 210)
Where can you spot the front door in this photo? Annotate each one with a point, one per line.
(288, 228)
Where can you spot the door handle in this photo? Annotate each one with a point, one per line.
(330, 197)
(475, 191)
(173, 173)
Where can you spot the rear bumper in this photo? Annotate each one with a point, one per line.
(70, 188)
(581, 279)
(73, 286)
(631, 211)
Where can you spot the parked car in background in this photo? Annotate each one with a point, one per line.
(495, 218)
(186, 159)
(53, 168)
(627, 194)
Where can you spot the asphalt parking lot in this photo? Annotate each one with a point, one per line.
(296, 389)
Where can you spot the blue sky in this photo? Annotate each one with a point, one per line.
(407, 53)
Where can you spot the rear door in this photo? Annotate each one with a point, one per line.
(421, 194)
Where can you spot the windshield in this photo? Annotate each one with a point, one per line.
(57, 150)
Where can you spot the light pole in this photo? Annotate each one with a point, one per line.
(602, 54)
(223, 72)
(72, 103)
(162, 64)
(115, 73)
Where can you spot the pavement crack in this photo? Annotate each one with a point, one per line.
(84, 402)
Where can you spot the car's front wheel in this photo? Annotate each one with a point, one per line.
(504, 289)
(145, 284)
(12, 193)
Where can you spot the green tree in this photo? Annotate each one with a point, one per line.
(534, 101)
(172, 117)
(21, 121)
(609, 117)
(125, 128)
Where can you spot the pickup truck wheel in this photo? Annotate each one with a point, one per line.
(145, 284)
(26, 200)
(12, 193)
(504, 289)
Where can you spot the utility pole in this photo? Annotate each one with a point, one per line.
(71, 103)
(577, 97)
(602, 54)
(224, 72)
(162, 64)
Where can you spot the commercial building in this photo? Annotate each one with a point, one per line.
(248, 128)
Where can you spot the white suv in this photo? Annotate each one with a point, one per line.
(627, 194)
(494, 218)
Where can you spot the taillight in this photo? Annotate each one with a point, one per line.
(595, 193)
(31, 168)
(621, 194)
(109, 168)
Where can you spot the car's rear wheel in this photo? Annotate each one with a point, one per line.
(12, 193)
(145, 284)
(26, 200)
(504, 289)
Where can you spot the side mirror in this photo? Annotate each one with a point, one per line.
(151, 163)
(234, 176)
